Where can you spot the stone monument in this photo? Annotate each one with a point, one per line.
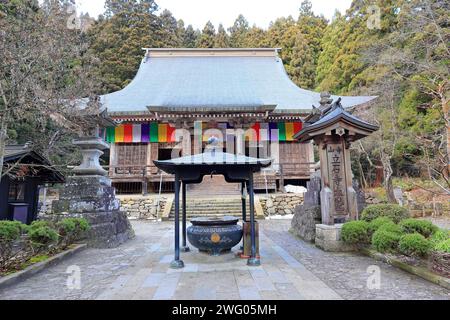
(89, 194)
(308, 214)
(333, 130)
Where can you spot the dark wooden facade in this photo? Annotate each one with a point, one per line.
(24, 171)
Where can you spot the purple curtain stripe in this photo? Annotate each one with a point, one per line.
(145, 132)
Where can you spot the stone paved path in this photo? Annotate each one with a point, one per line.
(291, 269)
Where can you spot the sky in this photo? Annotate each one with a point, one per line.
(259, 12)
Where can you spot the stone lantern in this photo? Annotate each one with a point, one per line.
(333, 130)
(88, 193)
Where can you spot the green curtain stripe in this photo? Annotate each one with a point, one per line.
(154, 132)
(281, 131)
(110, 135)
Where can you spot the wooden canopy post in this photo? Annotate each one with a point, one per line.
(243, 200)
(244, 206)
(177, 263)
(253, 260)
(184, 247)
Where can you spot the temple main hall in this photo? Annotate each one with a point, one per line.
(211, 91)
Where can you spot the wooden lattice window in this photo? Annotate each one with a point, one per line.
(131, 154)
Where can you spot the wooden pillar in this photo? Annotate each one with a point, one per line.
(253, 260)
(184, 246)
(243, 200)
(153, 149)
(144, 181)
(112, 159)
(310, 156)
(177, 263)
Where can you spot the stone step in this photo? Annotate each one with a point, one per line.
(215, 185)
(206, 210)
(213, 207)
(205, 207)
(211, 213)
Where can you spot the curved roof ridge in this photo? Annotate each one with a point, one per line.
(214, 83)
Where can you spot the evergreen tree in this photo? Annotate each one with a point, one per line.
(312, 28)
(327, 77)
(302, 67)
(352, 36)
(118, 39)
(238, 32)
(181, 32)
(190, 37)
(127, 8)
(222, 39)
(282, 34)
(169, 30)
(208, 36)
(256, 38)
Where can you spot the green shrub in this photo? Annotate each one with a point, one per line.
(440, 241)
(442, 246)
(385, 241)
(10, 230)
(414, 244)
(392, 211)
(391, 227)
(71, 229)
(42, 234)
(355, 232)
(375, 224)
(424, 227)
(440, 235)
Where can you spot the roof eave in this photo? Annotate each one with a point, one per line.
(305, 134)
(216, 109)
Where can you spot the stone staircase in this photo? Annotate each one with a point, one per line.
(216, 207)
(213, 186)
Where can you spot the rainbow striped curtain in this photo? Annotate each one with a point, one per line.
(143, 132)
(286, 131)
(164, 132)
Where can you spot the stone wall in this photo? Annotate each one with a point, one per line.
(142, 207)
(416, 208)
(280, 203)
(135, 206)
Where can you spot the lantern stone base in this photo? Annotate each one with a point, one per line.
(328, 238)
(93, 198)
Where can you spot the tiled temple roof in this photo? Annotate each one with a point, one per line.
(202, 80)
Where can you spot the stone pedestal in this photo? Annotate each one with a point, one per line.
(93, 198)
(89, 194)
(328, 238)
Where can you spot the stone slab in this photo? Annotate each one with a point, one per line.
(328, 238)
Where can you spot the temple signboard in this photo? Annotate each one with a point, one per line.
(337, 180)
